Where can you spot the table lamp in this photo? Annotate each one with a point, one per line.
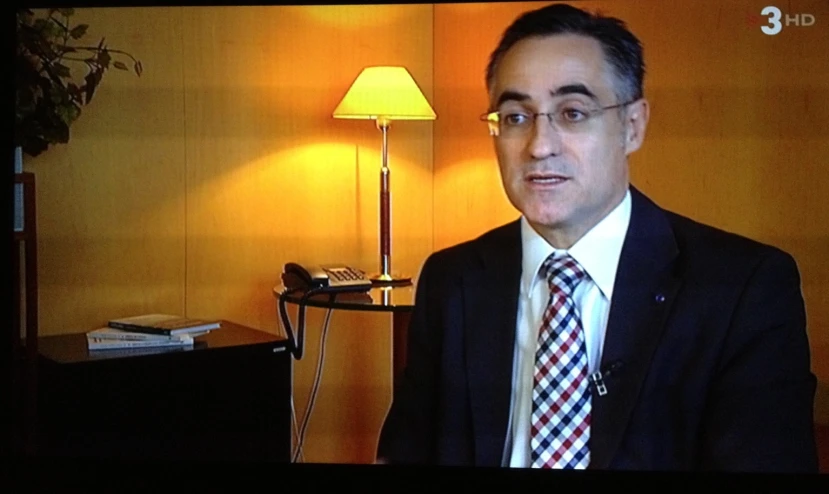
(384, 94)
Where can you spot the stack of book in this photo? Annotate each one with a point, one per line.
(149, 331)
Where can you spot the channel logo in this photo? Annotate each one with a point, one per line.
(772, 20)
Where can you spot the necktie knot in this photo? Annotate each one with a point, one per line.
(563, 274)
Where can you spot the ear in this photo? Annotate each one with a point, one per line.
(636, 121)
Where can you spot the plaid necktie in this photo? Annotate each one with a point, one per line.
(561, 397)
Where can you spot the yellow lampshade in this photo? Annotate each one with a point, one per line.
(384, 93)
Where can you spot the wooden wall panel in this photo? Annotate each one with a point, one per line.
(110, 203)
(468, 191)
(736, 139)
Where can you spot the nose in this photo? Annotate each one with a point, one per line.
(544, 138)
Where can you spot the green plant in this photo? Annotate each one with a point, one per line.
(48, 99)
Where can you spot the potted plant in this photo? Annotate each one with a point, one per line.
(48, 96)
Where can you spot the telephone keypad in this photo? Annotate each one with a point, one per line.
(345, 275)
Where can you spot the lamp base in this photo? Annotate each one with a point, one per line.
(390, 280)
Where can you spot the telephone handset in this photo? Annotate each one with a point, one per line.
(324, 278)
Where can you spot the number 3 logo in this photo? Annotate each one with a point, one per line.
(774, 26)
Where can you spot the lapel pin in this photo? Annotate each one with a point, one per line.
(659, 298)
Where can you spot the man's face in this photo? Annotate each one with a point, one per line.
(564, 178)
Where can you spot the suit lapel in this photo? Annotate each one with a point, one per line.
(643, 293)
(490, 305)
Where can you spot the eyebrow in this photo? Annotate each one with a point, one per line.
(574, 89)
(511, 96)
(561, 91)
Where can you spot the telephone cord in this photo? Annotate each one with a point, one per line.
(315, 389)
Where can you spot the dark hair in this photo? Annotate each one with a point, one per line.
(622, 50)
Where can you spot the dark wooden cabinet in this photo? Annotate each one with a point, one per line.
(227, 398)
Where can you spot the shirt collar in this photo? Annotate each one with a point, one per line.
(597, 251)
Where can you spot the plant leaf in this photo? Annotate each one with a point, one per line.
(61, 132)
(78, 31)
(120, 65)
(68, 113)
(66, 12)
(104, 58)
(53, 29)
(25, 15)
(62, 70)
(35, 145)
(75, 91)
(56, 94)
(138, 68)
(92, 79)
(40, 24)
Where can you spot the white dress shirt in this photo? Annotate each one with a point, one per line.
(598, 253)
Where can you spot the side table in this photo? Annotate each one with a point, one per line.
(399, 300)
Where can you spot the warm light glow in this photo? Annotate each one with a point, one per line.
(385, 92)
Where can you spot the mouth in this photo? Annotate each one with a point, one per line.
(545, 178)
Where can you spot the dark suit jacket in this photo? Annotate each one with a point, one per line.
(709, 329)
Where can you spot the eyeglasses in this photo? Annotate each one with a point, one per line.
(568, 118)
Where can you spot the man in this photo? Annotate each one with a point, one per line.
(598, 330)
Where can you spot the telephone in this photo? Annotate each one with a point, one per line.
(325, 278)
(316, 279)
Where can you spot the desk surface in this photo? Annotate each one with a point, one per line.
(72, 348)
(380, 299)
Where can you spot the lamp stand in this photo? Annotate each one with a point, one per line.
(385, 277)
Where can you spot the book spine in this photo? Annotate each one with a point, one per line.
(133, 336)
(108, 344)
(138, 329)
